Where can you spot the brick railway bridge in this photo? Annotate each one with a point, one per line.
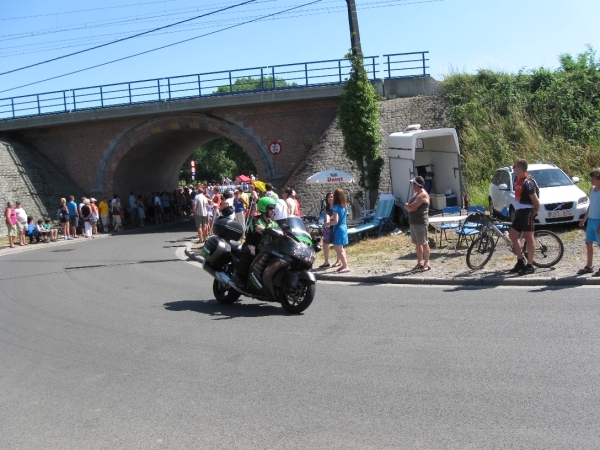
(141, 147)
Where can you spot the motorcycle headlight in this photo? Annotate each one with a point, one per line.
(583, 200)
(305, 253)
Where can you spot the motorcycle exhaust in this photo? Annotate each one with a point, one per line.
(223, 278)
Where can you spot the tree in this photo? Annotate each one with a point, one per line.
(253, 84)
(359, 121)
(217, 159)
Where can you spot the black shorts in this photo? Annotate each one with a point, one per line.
(524, 220)
(74, 221)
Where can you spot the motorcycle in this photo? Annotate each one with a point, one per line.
(280, 271)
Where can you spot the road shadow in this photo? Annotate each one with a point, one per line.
(221, 312)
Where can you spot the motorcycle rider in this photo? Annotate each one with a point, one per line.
(266, 219)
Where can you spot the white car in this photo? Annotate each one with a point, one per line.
(561, 201)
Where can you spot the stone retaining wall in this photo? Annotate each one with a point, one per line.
(395, 115)
(27, 176)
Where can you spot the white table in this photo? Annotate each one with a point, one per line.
(447, 219)
(438, 220)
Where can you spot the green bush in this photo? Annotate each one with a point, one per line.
(541, 115)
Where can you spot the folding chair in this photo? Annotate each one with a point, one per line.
(444, 227)
(382, 217)
(474, 209)
(470, 228)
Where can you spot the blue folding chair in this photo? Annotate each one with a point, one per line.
(382, 217)
(473, 209)
(444, 227)
(470, 228)
(503, 226)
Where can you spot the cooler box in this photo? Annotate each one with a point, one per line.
(451, 200)
(438, 201)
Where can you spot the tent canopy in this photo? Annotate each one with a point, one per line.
(243, 178)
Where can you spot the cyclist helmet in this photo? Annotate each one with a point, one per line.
(264, 203)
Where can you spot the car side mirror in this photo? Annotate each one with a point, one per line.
(503, 187)
(575, 180)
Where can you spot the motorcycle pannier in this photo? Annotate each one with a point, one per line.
(228, 229)
(217, 252)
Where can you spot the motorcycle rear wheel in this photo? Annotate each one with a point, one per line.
(296, 299)
(224, 294)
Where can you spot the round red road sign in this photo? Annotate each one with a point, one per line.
(275, 148)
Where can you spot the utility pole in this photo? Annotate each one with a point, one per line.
(354, 34)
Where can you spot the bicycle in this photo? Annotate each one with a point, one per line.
(549, 247)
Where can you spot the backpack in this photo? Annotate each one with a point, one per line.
(58, 215)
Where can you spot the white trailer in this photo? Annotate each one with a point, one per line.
(439, 152)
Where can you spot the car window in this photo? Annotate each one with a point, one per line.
(505, 178)
(496, 178)
(550, 178)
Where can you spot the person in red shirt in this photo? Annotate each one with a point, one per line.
(527, 206)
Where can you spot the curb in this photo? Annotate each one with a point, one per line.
(475, 282)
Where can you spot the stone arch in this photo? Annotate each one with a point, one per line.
(149, 156)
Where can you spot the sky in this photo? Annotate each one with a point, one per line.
(460, 36)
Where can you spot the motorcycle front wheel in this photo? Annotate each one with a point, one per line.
(224, 294)
(296, 299)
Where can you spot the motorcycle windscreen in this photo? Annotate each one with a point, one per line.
(298, 229)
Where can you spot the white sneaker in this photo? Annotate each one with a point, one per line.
(65, 238)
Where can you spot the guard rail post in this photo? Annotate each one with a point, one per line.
(306, 73)
(389, 70)
(273, 76)
(262, 79)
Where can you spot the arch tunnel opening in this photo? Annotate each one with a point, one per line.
(215, 160)
(152, 156)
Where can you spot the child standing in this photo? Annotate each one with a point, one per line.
(593, 223)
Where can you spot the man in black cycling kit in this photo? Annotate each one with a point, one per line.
(527, 205)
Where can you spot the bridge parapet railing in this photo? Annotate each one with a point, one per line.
(315, 73)
(405, 65)
(228, 82)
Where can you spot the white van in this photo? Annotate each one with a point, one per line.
(435, 154)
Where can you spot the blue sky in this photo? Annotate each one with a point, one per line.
(461, 35)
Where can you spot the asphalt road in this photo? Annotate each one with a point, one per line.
(117, 343)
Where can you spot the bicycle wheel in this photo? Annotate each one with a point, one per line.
(549, 249)
(480, 251)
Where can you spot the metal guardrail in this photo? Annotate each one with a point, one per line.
(228, 82)
(395, 66)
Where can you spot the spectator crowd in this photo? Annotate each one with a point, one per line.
(89, 216)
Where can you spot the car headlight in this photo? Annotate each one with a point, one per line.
(583, 200)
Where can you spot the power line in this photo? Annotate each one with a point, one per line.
(85, 10)
(139, 18)
(100, 38)
(160, 48)
(126, 38)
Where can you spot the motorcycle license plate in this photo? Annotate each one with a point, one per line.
(561, 213)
